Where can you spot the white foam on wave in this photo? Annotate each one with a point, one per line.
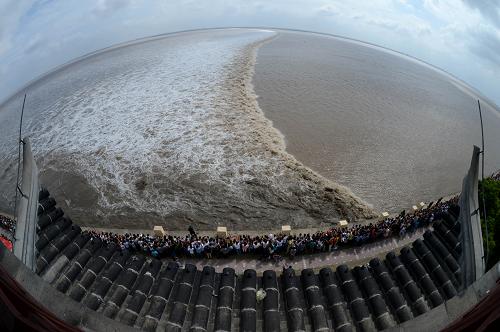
(169, 130)
(159, 117)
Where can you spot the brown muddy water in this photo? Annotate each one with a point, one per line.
(170, 131)
(393, 130)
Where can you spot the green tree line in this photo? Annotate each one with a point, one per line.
(492, 203)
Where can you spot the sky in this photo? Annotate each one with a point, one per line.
(460, 36)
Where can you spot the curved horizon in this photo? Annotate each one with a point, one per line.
(168, 34)
(80, 110)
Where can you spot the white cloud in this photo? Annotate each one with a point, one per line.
(109, 7)
(490, 9)
(449, 34)
(328, 10)
(10, 17)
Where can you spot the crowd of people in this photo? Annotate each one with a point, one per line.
(275, 246)
(7, 223)
(8, 226)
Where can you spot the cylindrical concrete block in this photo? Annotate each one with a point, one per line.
(295, 313)
(225, 300)
(248, 301)
(204, 300)
(271, 302)
(335, 299)
(313, 295)
(181, 301)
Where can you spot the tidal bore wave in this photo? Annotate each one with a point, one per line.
(169, 132)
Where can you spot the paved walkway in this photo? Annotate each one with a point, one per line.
(351, 257)
(295, 231)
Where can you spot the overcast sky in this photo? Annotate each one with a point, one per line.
(459, 36)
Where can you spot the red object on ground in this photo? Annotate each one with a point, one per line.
(6, 243)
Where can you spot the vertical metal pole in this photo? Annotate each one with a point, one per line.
(19, 155)
(482, 185)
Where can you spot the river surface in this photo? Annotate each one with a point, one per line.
(392, 129)
(169, 130)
